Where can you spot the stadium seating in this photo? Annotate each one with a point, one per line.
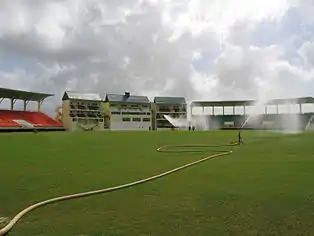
(277, 121)
(37, 119)
(8, 123)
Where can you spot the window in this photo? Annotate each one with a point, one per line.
(148, 113)
(125, 119)
(137, 119)
(74, 119)
(133, 113)
(115, 113)
(146, 119)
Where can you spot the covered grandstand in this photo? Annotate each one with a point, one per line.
(174, 107)
(82, 111)
(275, 114)
(24, 120)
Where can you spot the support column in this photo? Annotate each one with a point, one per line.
(265, 109)
(223, 110)
(213, 110)
(300, 105)
(233, 110)
(12, 103)
(244, 110)
(277, 110)
(25, 104)
(191, 111)
(39, 105)
(203, 110)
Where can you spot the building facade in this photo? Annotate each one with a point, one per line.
(127, 112)
(173, 107)
(82, 112)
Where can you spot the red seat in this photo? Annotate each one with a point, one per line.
(8, 123)
(34, 118)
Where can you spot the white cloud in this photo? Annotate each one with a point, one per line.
(148, 47)
(306, 52)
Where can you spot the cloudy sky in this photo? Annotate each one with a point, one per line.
(200, 49)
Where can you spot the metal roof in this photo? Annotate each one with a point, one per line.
(170, 100)
(280, 101)
(81, 96)
(126, 98)
(23, 95)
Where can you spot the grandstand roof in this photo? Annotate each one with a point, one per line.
(23, 95)
(280, 101)
(81, 96)
(126, 98)
(170, 100)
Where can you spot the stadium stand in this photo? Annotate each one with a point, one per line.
(128, 112)
(175, 107)
(277, 121)
(82, 112)
(13, 120)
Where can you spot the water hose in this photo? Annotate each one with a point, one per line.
(178, 148)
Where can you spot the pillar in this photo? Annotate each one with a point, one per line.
(213, 110)
(25, 105)
(300, 105)
(12, 103)
(223, 110)
(191, 111)
(244, 110)
(233, 110)
(277, 110)
(38, 106)
(266, 109)
(203, 110)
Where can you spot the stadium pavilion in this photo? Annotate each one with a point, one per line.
(271, 115)
(24, 120)
(175, 107)
(128, 112)
(82, 111)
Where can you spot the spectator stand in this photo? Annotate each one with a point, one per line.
(269, 115)
(23, 120)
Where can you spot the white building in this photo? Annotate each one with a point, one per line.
(82, 111)
(174, 107)
(128, 112)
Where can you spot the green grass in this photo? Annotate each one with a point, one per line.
(265, 188)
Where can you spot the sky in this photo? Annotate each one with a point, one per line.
(199, 49)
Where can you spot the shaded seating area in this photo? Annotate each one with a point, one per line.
(23, 120)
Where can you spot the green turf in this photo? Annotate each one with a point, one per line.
(265, 188)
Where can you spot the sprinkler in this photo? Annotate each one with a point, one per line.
(240, 141)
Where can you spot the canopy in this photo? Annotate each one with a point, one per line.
(23, 95)
(280, 101)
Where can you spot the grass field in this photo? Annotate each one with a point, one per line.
(265, 188)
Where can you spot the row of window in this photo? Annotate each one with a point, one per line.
(84, 103)
(99, 120)
(84, 107)
(171, 110)
(129, 113)
(129, 106)
(127, 119)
